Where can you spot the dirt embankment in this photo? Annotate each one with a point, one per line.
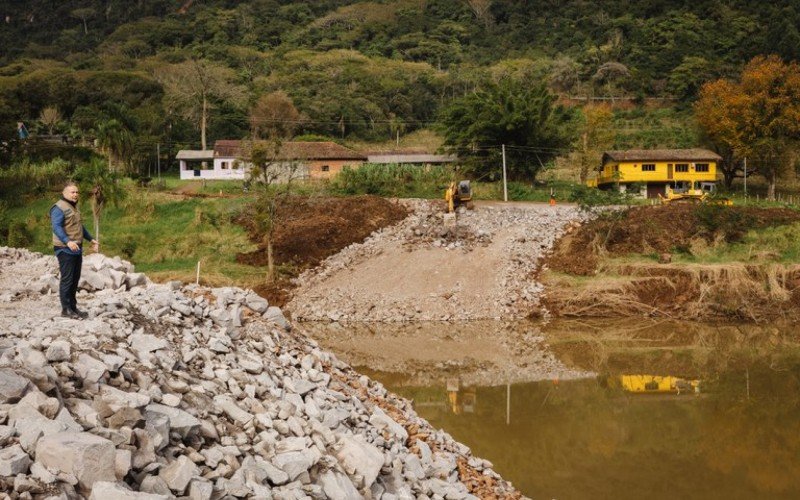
(311, 229)
(737, 290)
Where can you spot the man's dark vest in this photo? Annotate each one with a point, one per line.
(72, 223)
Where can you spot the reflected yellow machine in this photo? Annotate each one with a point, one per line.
(461, 400)
(656, 384)
(458, 194)
(692, 192)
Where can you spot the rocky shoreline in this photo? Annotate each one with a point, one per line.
(172, 390)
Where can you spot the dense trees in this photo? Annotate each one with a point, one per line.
(756, 117)
(364, 70)
(522, 116)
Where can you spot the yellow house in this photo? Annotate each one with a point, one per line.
(650, 171)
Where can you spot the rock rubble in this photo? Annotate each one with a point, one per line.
(203, 393)
(524, 234)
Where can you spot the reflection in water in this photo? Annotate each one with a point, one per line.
(642, 429)
(655, 384)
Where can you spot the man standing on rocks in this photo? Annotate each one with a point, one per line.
(68, 237)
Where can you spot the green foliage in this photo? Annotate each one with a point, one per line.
(729, 222)
(587, 197)
(404, 181)
(521, 115)
(19, 235)
(24, 179)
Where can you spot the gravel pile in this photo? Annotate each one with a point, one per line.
(203, 393)
(534, 230)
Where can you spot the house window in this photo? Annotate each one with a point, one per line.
(682, 167)
(648, 167)
(224, 165)
(325, 168)
(701, 167)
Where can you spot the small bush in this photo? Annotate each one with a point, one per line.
(128, 247)
(730, 223)
(19, 235)
(587, 197)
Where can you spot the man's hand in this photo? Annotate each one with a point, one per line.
(73, 246)
(95, 246)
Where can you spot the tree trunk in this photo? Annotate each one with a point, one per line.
(585, 159)
(727, 178)
(772, 179)
(203, 123)
(85, 28)
(270, 261)
(96, 226)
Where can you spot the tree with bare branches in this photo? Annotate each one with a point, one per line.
(481, 10)
(193, 88)
(50, 117)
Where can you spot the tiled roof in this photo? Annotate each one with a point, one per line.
(190, 154)
(695, 154)
(290, 150)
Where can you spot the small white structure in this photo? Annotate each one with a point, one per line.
(204, 165)
(295, 160)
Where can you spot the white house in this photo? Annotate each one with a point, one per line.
(228, 160)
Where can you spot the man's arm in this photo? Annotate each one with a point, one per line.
(57, 222)
(89, 237)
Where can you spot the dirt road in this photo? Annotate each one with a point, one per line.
(481, 266)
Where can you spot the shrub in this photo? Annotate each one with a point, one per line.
(587, 197)
(19, 235)
(392, 180)
(128, 247)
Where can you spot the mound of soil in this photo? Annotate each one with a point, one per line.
(659, 229)
(308, 230)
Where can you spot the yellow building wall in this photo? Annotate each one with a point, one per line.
(632, 172)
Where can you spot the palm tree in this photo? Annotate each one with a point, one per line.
(102, 185)
(116, 142)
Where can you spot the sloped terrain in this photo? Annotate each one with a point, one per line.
(176, 391)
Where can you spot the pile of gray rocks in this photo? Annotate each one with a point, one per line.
(203, 393)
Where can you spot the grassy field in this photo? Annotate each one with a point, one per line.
(162, 233)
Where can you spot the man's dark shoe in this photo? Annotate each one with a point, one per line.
(80, 313)
(69, 313)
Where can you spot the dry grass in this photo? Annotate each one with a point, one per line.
(718, 291)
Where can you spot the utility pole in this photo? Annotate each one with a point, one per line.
(505, 184)
(745, 178)
(158, 161)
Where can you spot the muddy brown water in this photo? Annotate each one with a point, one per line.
(738, 437)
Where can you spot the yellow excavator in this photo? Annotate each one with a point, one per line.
(693, 192)
(458, 194)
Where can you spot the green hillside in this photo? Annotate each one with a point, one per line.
(364, 71)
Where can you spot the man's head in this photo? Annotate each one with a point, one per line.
(70, 192)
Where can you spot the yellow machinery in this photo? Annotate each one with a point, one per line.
(693, 192)
(457, 194)
(656, 384)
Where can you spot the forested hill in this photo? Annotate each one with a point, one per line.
(362, 69)
(652, 38)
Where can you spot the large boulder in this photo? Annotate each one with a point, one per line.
(87, 457)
